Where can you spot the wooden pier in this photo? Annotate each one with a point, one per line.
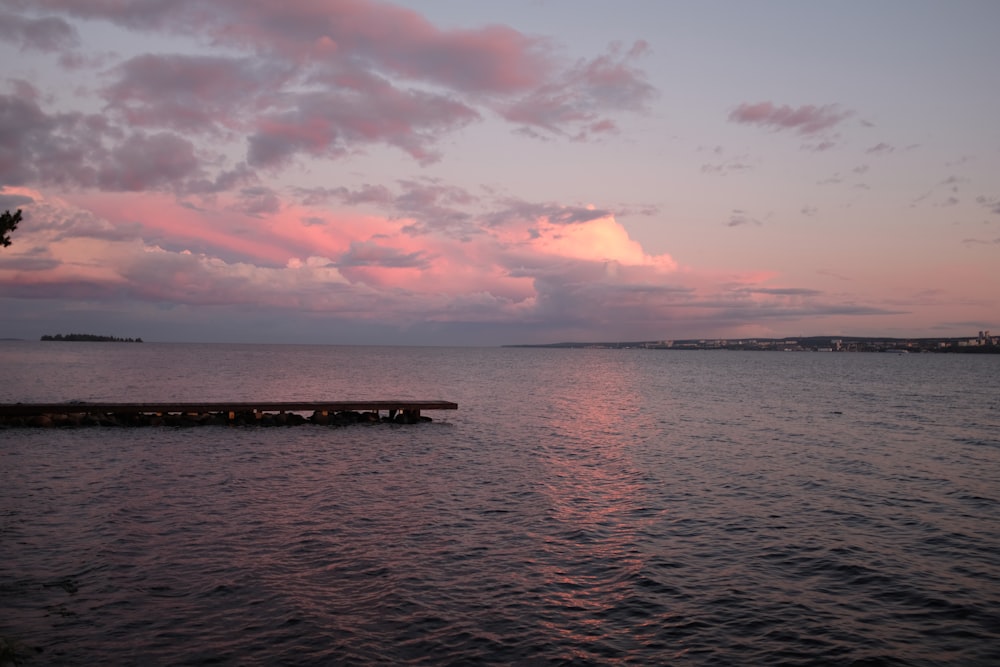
(217, 412)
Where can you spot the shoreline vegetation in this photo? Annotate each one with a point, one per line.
(90, 338)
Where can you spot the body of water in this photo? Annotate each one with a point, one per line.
(581, 507)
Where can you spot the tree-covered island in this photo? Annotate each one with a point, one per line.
(90, 338)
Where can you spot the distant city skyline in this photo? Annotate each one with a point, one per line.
(457, 173)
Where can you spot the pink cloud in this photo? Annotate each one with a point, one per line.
(201, 94)
(330, 124)
(192, 93)
(207, 257)
(603, 126)
(399, 41)
(494, 59)
(221, 231)
(174, 210)
(323, 80)
(216, 94)
(808, 119)
(562, 272)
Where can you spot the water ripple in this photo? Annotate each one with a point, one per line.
(655, 509)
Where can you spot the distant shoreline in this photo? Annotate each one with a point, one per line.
(982, 344)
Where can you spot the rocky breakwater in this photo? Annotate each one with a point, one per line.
(80, 419)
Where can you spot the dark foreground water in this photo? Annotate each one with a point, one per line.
(581, 507)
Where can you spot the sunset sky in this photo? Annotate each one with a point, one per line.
(480, 173)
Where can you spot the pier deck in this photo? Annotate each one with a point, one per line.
(406, 411)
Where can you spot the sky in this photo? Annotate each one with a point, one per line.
(449, 172)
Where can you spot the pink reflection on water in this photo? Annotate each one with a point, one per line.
(595, 493)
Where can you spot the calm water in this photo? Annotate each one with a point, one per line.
(581, 507)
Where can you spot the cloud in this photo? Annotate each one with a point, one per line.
(783, 291)
(35, 261)
(42, 34)
(296, 103)
(55, 220)
(368, 194)
(748, 302)
(819, 146)
(13, 201)
(733, 166)
(80, 150)
(392, 39)
(148, 162)
(880, 148)
(371, 253)
(175, 174)
(577, 100)
(806, 120)
(740, 218)
(331, 124)
(991, 203)
(547, 270)
(527, 268)
(192, 93)
(340, 110)
(428, 205)
(258, 202)
(321, 80)
(515, 211)
(396, 41)
(37, 147)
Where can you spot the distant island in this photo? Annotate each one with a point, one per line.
(91, 338)
(984, 343)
